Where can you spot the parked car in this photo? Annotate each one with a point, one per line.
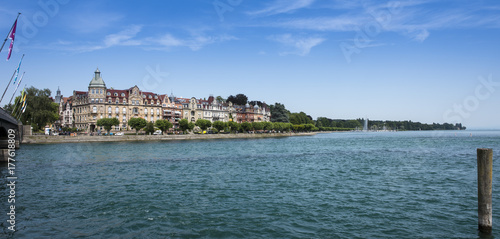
(119, 133)
(158, 132)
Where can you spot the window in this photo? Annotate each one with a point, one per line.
(150, 96)
(93, 91)
(157, 111)
(124, 111)
(115, 94)
(156, 97)
(94, 109)
(135, 110)
(92, 101)
(109, 116)
(117, 110)
(152, 111)
(101, 100)
(108, 94)
(124, 101)
(94, 117)
(100, 91)
(123, 94)
(109, 101)
(109, 109)
(145, 111)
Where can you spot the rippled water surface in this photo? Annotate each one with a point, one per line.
(340, 185)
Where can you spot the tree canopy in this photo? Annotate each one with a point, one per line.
(300, 118)
(163, 125)
(279, 113)
(107, 123)
(150, 128)
(239, 99)
(137, 124)
(40, 110)
(203, 124)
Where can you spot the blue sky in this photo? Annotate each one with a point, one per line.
(420, 60)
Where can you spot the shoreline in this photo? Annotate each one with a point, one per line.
(60, 139)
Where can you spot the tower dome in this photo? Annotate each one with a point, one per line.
(97, 80)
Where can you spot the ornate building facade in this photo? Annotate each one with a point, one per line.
(100, 102)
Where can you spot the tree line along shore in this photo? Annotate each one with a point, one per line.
(43, 111)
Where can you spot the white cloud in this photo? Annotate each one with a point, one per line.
(195, 42)
(407, 19)
(283, 6)
(301, 46)
(123, 38)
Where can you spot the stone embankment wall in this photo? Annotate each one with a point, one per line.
(44, 139)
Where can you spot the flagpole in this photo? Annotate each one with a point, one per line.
(21, 112)
(6, 38)
(19, 101)
(8, 86)
(17, 70)
(16, 88)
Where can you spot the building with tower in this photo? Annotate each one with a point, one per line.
(100, 102)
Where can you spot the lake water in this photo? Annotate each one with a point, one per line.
(338, 185)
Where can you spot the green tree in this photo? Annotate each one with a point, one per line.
(233, 126)
(163, 125)
(137, 124)
(279, 113)
(203, 124)
(287, 127)
(246, 126)
(308, 127)
(190, 126)
(220, 99)
(219, 125)
(107, 123)
(39, 108)
(257, 125)
(268, 125)
(239, 99)
(183, 125)
(150, 128)
(300, 118)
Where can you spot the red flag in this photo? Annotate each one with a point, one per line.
(12, 35)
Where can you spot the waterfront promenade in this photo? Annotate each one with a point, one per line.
(49, 139)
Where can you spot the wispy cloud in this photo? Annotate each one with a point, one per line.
(282, 6)
(193, 42)
(128, 37)
(300, 45)
(123, 38)
(406, 19)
